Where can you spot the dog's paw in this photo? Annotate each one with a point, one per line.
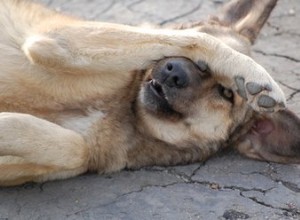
(261, 92)
(243, 75)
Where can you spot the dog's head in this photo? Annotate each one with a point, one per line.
(182, 103)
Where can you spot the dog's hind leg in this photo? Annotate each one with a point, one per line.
(33, 149)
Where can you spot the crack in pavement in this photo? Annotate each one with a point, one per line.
(290, 87)
(242, 189)
(189, 179)
(181, 176)
(292, 95)
(188, 13)
(184, 178)
(277, 55)
(142, 188)
(130, 6)
(295, 91)
(291, 186)
(292, 211)
(108, 8)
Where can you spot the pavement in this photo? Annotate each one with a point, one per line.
(227, 186)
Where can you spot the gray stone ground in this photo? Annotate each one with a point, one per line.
(225, 187)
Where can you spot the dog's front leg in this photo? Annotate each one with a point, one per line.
(109, 49)
(32, 149)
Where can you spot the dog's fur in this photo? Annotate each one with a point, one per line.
(84, 96)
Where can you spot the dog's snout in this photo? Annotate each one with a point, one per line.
(175, 74)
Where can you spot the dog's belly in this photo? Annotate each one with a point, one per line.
(81, 123)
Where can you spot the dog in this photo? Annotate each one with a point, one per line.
(79, 96)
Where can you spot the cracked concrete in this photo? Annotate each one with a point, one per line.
(227, 186)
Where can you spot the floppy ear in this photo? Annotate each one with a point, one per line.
(272, 137)
(246, 17)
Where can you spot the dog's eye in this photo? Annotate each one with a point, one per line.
(226, 93)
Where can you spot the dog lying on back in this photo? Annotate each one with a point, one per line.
(81, 96)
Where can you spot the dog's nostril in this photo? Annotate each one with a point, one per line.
(169, 67)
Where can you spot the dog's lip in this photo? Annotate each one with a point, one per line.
(157, 89)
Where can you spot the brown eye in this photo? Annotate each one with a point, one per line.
(226, 93)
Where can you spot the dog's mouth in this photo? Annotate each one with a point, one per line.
(155, 98)
(157, 89)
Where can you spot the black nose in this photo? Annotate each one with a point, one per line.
(175, 74)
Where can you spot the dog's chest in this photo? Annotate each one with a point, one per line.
(81, 123)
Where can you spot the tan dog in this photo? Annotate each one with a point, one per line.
(87, 96)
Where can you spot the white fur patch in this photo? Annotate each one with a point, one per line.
(82, 124)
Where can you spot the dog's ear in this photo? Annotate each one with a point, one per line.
(272, 137)
(246, 17)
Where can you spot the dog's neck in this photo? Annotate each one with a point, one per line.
(135, 147)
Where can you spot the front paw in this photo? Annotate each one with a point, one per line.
(243, 75)
(261, 92)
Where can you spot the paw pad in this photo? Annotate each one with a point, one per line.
(266, 102)
(240, 83)
(259, 95)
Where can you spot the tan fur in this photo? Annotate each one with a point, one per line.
(78, 87)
